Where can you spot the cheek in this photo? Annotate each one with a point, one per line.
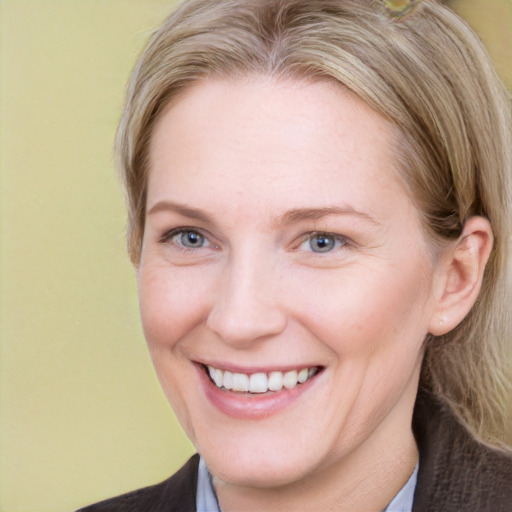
(171, 301)
(171, 307)
(365, 311)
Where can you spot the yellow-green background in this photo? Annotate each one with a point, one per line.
(82, 415)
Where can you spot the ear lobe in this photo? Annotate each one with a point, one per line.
(460, 275)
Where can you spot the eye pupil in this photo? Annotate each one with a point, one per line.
(322, 242)
(192, 239)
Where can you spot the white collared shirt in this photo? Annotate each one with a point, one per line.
(207, 501)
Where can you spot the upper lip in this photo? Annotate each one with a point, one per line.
(235, 368)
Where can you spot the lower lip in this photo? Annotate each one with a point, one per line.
(251, 405)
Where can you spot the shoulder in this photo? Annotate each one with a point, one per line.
(176, 494)
(456, 472)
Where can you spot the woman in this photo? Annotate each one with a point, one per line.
(319, 216)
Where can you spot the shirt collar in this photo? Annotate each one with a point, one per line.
(206, 500)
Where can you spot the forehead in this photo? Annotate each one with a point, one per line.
(279, 141)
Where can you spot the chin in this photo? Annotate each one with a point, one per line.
(265, 471)
(263, 459)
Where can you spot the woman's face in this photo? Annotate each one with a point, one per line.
(281, 254)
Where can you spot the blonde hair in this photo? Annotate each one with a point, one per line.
(428, 74)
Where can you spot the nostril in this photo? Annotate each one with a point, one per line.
(241, 325)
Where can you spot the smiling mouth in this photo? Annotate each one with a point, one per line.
(259, 382)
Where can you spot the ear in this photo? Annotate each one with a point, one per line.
(459, 275)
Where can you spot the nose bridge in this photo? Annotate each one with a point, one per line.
(247, 302)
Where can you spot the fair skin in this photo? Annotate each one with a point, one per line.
(278, 237)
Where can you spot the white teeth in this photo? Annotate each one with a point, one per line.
(218, 377)
(260, 382)
(275, 381)
(290, 379)
(228, 380)
(240, 382)
(303, 376)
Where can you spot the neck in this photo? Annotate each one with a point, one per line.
(366, 480)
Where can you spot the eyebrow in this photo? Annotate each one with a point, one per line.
(182, 209)
(302, 214)
(290, 217)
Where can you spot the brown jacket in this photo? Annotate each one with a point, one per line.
(455, 473)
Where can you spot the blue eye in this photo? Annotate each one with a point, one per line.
(189, 239)
(323, 242)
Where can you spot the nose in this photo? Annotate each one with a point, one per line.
(247, 307)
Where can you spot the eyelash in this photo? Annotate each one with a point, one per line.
(168, 237)
(338, 241)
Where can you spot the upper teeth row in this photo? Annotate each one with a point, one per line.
(259, 382)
